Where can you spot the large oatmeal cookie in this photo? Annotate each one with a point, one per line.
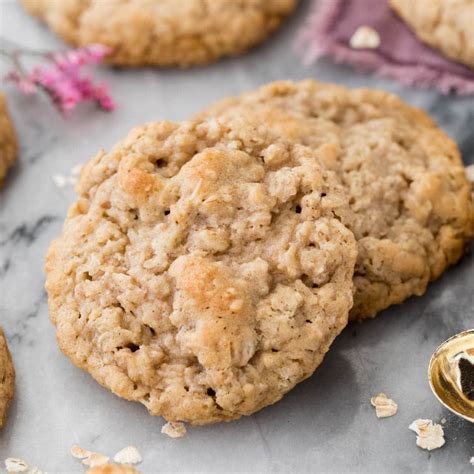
(404, 178)
(8, 142)
(164, 32)
(447, 25)
(7, 378)
(204, 269)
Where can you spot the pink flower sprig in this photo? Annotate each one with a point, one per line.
(60, 77)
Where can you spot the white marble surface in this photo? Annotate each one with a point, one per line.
(326, 424)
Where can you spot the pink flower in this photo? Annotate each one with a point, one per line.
(24, 84)
(103, 98)
(62, 79)
(98, 52)
(75, 58)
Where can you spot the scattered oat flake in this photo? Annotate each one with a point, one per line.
(89, 458)
(128, 455)
(384, 406)
(76, 170)
(443, 421)
(365, 38)
(174, 429)
(429, 435)
(60, 180)
(79, 453)
(15, 465)
(472, 460)
(95, 459)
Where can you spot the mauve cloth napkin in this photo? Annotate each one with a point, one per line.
(400, 55)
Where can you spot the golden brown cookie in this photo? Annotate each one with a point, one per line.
(164, 32)
(204, 269)
(447, 25)
(404, 178)
(8, 143)
(7, 378)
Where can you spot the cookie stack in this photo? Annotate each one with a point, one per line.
(207, 266)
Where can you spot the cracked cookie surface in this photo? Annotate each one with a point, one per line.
(164, 32)
(7, 378)
(8, 142)
(404, 177)
(204, 269)
(446, 25)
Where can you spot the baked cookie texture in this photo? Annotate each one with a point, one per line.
(113, 469)
(8, 141)
(446, 25)
(404, 177)
(7, 378)
(204, 269)
(164, 32)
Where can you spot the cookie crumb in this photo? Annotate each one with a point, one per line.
(384, 406)
(365, 38)
(128, 455)
(15, 465)
(174, 429)
(429, 435)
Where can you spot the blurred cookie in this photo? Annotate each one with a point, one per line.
(7, 378)
(204, 269)
(404, 178)
(447, 25)
(8, 143)
(164, 32)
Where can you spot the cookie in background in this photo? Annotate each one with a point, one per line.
(164, 32)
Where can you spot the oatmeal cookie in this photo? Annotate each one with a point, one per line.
(447, 25)
(204, 269)
(8, 143)
(7, 378)
(164, 32)
(404, 178)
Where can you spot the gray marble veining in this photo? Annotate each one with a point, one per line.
(326, 424)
